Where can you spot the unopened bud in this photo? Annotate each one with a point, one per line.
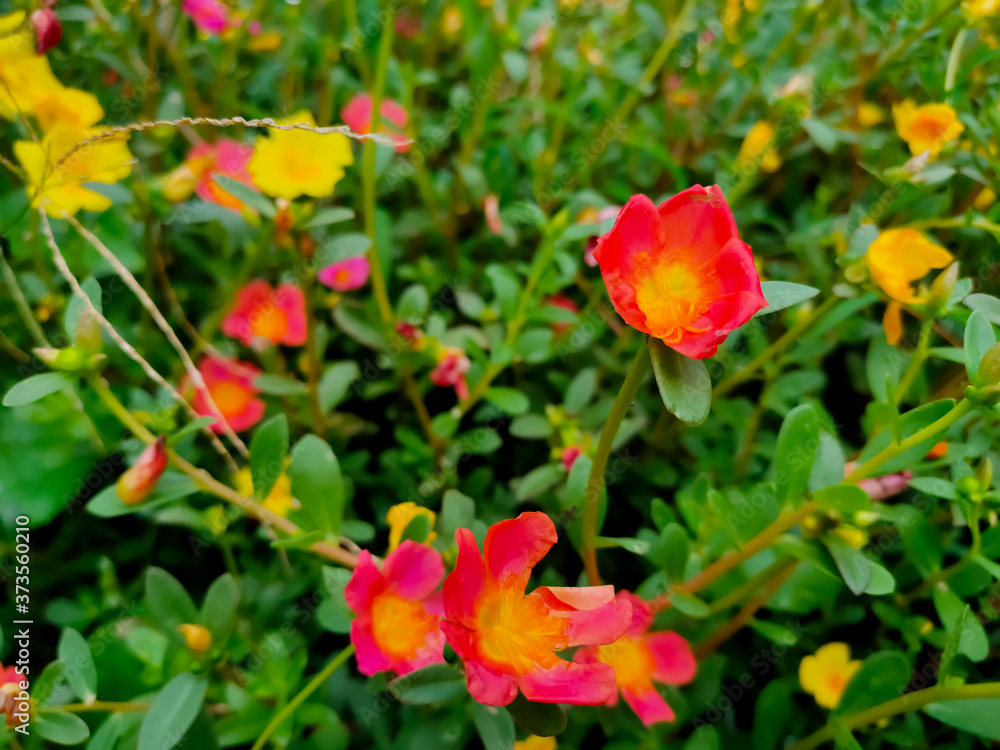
(989, 367)
(944, 284)
(984, 474)
(284, 219)
(180, 183)
(48, 29)
(136, 483)
(988, 395)
(196, 637)
(968, 487)
(88, 332)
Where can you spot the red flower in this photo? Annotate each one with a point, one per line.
(226, 157)
(640, 658)
(398, 610)
(450, 371)
(679, 272)
(270, 315)
(507, 639)
(357, 115)
(230, 383)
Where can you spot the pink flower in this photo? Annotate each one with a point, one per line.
(225, 157)
(397, 628)
(450, 371)
(491, 209)
(345, 275)
(508, 639)
(210, 16)
(569, 456)
(640, 658)
(608, 212)
(357, 115)
(48, 29)
(883, 487)
(230, 383)
(263, 314)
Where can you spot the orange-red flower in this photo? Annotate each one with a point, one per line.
(398, 610)
(137, 482)
(507, 639)
(225, 157)
(679, 272)
(640, 659)
(357, 115)
(12, 697)
(263, 314)
(450, 371)
(230, 383)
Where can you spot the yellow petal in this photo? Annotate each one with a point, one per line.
(892, 322)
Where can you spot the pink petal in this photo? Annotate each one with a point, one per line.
(251, 415)
(589, 655)
(251, 298)
(366, 583)
(371, 658)
(567, 682)
(489, 688)
(291, 301)
(345, 275)
(648, 705)
(675, 662)
(594, 614)
(642, 614)
(218, 370)
(413, 570)
(514, 546)
(462, 639)
(393, 112)
(464, 585)
(357, 115)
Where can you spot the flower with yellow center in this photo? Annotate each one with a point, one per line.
(73, 108)
(279, 500)
(929, 127)
(24, 73)
(534, 742)
(56, 176)
(400, 516)
(759, 148)
(977, 10)
(826, 675)
(290, 163)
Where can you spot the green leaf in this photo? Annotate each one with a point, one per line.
(413, 303)
(979, 337)
(36, 387)
(334, 614)
(540, 719)
(357, 328)
(335, 382)
(883, 676)
(825, 138)
(795, 452)
(436, 683)
(193, 426)
(171, 712)
(317, 483)
(218, 610)
(252, 198)
(882, 582)
(828, 467)
(853, 565)
(516, 63)
(977, 716)
(847, 498)
(458, 511)
(508, 400)
(782, 294)
(539, 480)
(168, 601)
(279, 385)
(972, 639)
(506, 289)
(770, 715)
(704, 738)
(268, 449)
(417, 530)
(684, 383)
(987, 304)
(60, 727)
(842, 737)
(635, 546)
(530, 427)
(171, 487)
(327, 216)
(299, 541)
(580, 390)
(988, 565)
(495, 726)
(935, 486)
(910, 423)
(78, 665)
(690, 605)
(671, 551)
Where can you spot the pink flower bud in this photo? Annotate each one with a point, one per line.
(135, 484)
(48, 30)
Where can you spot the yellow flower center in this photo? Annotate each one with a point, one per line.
(231, 398)
(632, 661)
(672, 298)
(269, 322)
(518, 632)
(400, 627)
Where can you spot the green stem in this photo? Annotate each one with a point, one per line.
(121, 707)
(368, 175)
(595, 483)
(19, 301)
(739, 594)
(919, 355)
(308, 690)
(904, 704)
(866, 469)
(312, 358)
(360, 61)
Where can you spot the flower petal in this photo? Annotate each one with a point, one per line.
(291, 301)
(514, 546)
(489, 688)
(371, 658)
(648, 705)
(366, 583)
(413, 570)
(594, 614)
(568, 682)
(464, 585)
(642, 614)
(675, 662)
(699, 220)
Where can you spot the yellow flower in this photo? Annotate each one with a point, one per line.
(857, 538)
(826, 675)
(73, 108)
(399, 517)
(266, 42)
(290, 163)
(759, 147)
(984, 200)
(23, 72)
(57, 184)
(451, 21)
(977, 10)
(929, 127)
(870, 115)
(900, 257)
(279, 500)
(534, 742)
(196, 637)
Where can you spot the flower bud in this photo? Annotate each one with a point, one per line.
(943, 285)
(984, 474)
(48, 29)
(70, 359)
(989, 367)
(88, 332)
(196, 637)
(180, 183)
(988, 395)
(135, 484)
(968, 487)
